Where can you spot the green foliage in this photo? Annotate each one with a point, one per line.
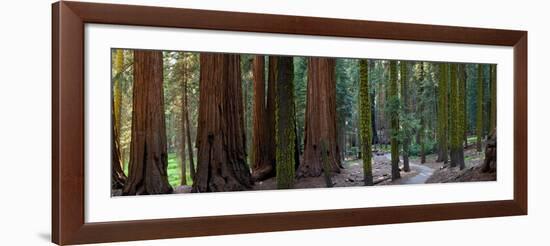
(493, 87)
(347, 84)
(430, 147)
(418, 115)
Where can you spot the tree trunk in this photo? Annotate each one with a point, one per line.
(365, 118)
(118, 178)
(457, 115)
(421, 107)
(262, 163)
(182, 124)
(182, 154)
(442, 113)
(148, 153)
(382, 122)
(493, 97)
(372, 106)
(465, 108)
(188, 134)
(454, 118)
(285, 123)
(394, 121)
(461, 114)
(406, 109)
(490, 161)
(221, 164)
(320, 118)
(479, 107)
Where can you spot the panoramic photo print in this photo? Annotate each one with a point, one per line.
(195, 122)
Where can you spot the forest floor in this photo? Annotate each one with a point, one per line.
(429, 172)
(352, 173)
(472, 173)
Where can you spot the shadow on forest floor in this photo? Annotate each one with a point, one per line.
(420, 173)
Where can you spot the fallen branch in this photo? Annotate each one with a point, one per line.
(378, 181)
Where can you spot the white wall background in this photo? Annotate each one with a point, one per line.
(25, 137)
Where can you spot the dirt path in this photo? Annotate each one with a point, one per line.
(352, 173)
(422, 173)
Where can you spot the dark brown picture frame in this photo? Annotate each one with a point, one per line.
(68, 224)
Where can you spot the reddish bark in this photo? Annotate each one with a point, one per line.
(263, 165)
(221, 164)
(320, 126)
(148, 153)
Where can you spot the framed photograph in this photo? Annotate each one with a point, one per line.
(172, 122)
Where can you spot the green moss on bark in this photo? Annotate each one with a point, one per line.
(285, 136)
(365, 121)
(479, 106)
(442, 113)
(394, 120)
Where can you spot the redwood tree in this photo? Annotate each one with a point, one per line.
(263, 165)
(320, 119)
(147, 172)
(221, 163)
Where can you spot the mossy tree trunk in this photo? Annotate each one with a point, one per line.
(182, 134)
(453, 115)
(461, 114)
(365, 119)
(118, 178)
(479, 107)
(465, 103)
(320, 118)
(221, 163)
(394, 120)
(442, 117)
(147, 172)
(285, 123)
(404, 74)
